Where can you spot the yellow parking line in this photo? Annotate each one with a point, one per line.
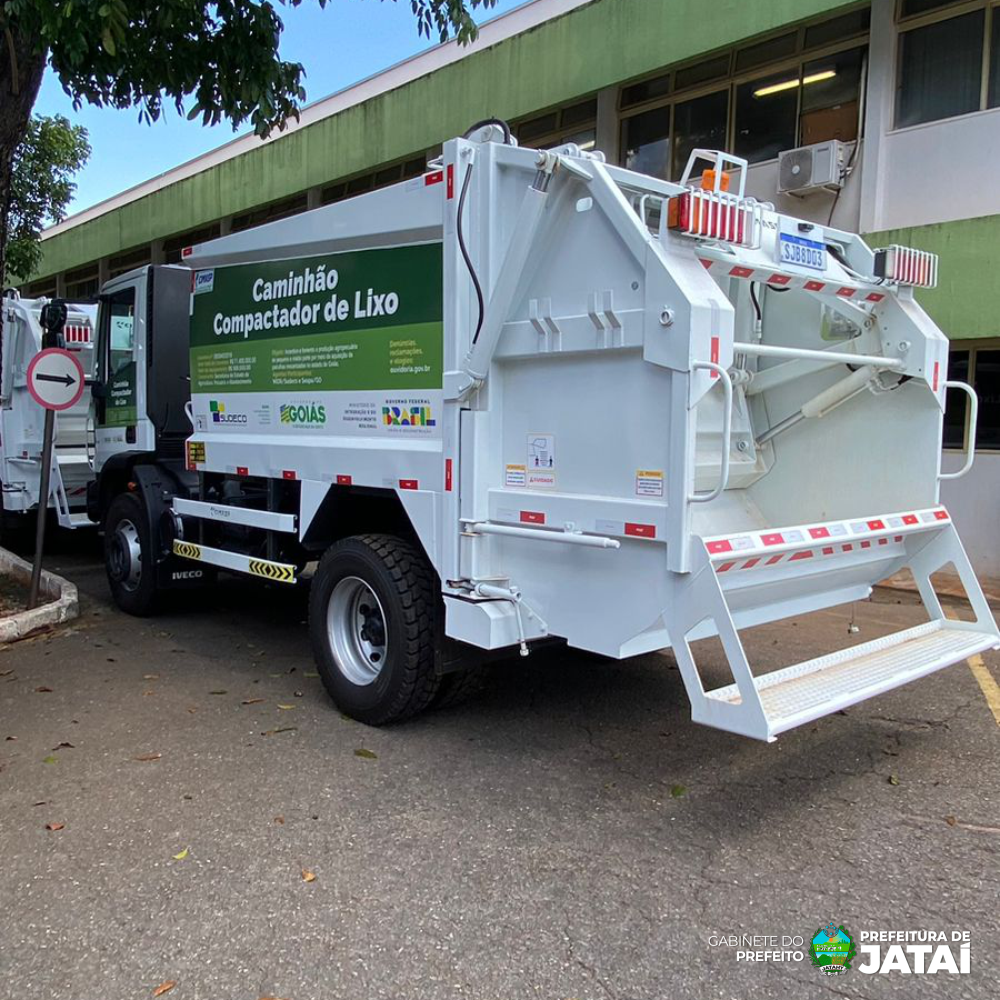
(990, 688)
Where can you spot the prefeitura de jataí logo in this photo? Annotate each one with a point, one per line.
(832, 949)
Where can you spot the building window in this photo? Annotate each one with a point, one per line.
(576, 122)
(980, 367)
(46, 288)
(412, 167)
(270, 213)
(83, 282)
(799, 87)
(943, 70)
(173, 248)
(128, 261)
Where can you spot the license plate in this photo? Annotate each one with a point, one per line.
(801, 252)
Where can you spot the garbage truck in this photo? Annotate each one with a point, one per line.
(22, 418)
(531, 396)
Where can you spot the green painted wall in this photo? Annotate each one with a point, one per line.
(595, 46)
(966, 302)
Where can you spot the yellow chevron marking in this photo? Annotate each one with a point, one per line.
(280, 572)
(187, 549)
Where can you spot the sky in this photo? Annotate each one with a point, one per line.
(338, 46)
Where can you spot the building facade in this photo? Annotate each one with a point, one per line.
(910, 87)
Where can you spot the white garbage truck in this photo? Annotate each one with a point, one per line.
(22, 418)
(531, 396)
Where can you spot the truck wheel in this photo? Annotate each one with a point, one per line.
(371, 621)
(128, 556)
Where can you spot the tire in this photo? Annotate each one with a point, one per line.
(371, 621)
(128, 556)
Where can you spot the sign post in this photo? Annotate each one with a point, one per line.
(56, 382)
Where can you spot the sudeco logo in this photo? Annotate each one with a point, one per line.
(220, 416)
(303, 414)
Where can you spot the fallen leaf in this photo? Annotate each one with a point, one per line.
(275, 675)
(218, 692)
(44, 803)
(182, 855)
(677, 791)
(298, 694)
(308, 876)
(310, 673)
(950, 820)
(150, 677)
(148, 756)
(68, 746)
(893, 780)
(367, 754)
(192, 710)
(286, 708)
(7, 672)
(50, 759)
(55, 827)
(279, 819)
(43, 690)
(251, 701)
(280, 729)
(11, 738)
(164, 987)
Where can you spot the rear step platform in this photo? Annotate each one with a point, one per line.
(806, 691)
(759, 576)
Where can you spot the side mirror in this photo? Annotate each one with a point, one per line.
(99, 390)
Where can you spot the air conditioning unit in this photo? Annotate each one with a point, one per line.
(819, 167)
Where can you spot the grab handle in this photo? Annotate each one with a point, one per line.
(973, 421)
(727, 430)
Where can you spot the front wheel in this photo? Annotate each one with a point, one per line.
(371, 620)
(128, 556)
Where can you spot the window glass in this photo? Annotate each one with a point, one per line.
(703, 72)
(537, 126)
(987, 385)
(940, 69)
(830, 90)
(121, 330)
(764, 52)
(700, 123)
(646, 90)
(993, 96)
(765, 115)
(845, 26)
(954, 414)
(586, 140)
(647, 142)
(911, 7)
(585, 111)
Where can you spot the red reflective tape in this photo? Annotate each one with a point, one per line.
(814, 286)
(874, 297)
(819, 532)
(937, 373)
(451, 181)
(775, 539)
(242, 470)
(866, 545)
(288, 474)
(910, 519)
(750, 563)
(773, 560)
(828, 551)
(723, 545)
(532, 517)
(435, 178)
(447, 474)
(714, 354)
(741, 272)
(344, 480)
(408, 484)
(778, 279)
(640, 530)
(187, 251)
(845, 292)
(801, 555)
(876, 525)
(941, 515)
(898, 538)
(706, 262)
(725, 567)
(847, 548)
(883, 541)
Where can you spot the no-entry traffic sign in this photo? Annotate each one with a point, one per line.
(55, 379)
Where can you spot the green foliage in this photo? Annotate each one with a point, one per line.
(211, 59)
(50, 153)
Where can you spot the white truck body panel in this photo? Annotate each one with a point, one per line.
(577, 472)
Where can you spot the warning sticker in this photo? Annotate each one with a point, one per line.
(541, 480)
(649, 483)
(515, 475)
(195, 453)
(541, 451)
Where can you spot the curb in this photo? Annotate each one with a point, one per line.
(63, 606)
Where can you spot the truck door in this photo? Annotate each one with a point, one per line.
(119, 395)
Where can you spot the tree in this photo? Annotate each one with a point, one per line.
(211, 58)
(41, 188)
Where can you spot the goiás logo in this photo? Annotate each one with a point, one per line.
(408, 416)
(303, 414)
(220, 415)
(832, 949)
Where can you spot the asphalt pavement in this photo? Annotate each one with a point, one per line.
(568, 833)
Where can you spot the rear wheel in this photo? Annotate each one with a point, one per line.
(128, 556)
(371, 621)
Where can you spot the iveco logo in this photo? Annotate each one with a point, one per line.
(187, 574)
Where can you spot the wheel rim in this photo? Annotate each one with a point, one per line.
(355, 625)
(125, 558)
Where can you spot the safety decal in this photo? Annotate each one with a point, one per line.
(187, 549)
(280, 572)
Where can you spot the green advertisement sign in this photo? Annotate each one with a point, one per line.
(365, 319)
(120, 407)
